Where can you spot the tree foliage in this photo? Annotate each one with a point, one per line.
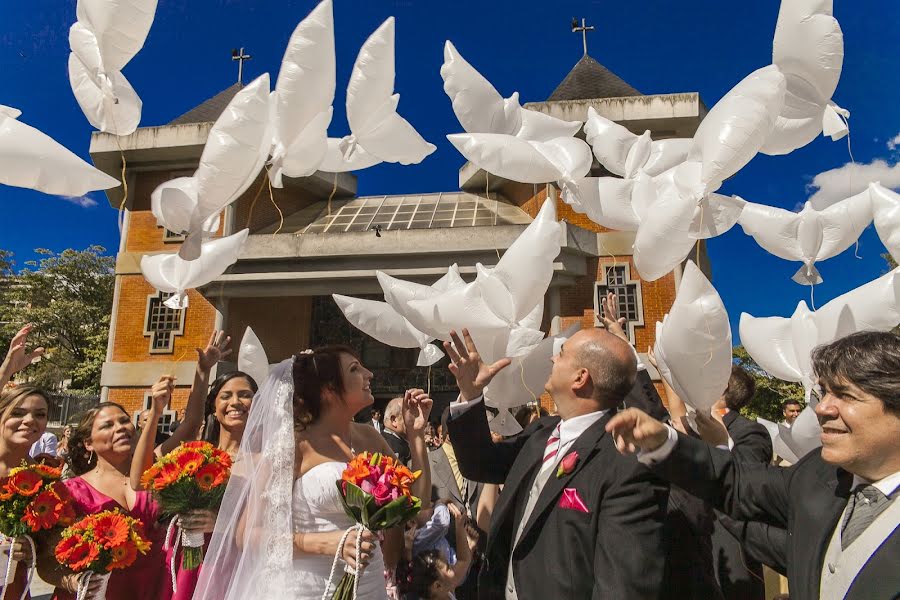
(771, 393)
(68, 296)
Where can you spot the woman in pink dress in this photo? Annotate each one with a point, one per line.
(101, 450)
(229, 400)
(23, 420)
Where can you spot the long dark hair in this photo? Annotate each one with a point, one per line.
(315, 372)
(212, 429)
(80, 460)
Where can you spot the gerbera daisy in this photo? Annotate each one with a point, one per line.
(190, 461)
(43, 511)
(123, 556)
(25, 482)
(111, 529)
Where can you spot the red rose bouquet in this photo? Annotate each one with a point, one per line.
(99, 544)
(375, 492)
(32, 499)
(191, 477)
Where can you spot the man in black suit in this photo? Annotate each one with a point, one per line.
(395, 430)
(575, 519)
(839, 503)
(740, 577)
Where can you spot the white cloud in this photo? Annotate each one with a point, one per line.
(843, 182)
(82, 201)
(894, 143)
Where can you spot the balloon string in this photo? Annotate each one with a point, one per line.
(262, 186)
(428, 381)
(333, 192)
(487, 193)
(534, 398)
(275, 204)
(121, 219)
(812, 296)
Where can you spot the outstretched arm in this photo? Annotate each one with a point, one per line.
(416, 410)
(216, 350)
(161, 394)
(745, 491)
(18, 357)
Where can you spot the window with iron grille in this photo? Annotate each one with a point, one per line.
(617, 279)
(165, 420)
(162, 324)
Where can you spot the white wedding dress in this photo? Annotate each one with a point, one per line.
(316, 508)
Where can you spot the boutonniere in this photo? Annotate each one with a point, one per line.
(567, 464)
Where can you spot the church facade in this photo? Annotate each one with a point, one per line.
(316, 237)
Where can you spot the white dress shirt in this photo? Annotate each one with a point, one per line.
(46, 445)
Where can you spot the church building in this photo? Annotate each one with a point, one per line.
(319, 237)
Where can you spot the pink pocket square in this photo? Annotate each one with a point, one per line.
(572, 501)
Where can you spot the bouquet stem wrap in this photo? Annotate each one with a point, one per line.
(347, 587)
(191, 544)
(85, 583)
(6, 545)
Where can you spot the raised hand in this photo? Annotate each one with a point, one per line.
(416, 409)
(18, 357)
(634, 430)
(161, 393)
(711, 429)
(471, 372)
(216, 350)
(609, 316)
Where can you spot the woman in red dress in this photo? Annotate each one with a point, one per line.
(101, 449)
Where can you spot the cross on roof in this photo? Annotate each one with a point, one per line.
(583, 29)
(239, 56)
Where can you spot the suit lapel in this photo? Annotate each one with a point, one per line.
(838, 483)
(445, 474)
(586, 445)
(521, 474)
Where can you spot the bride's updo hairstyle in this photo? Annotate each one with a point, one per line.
(316, 371)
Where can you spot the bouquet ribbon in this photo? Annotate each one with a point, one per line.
(84, 584)
(182, 538)
(359, 528)
(11, 567)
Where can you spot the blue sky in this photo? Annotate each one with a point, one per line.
(658, 46)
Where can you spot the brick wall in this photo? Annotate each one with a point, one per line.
(133, 398)
(131, 345)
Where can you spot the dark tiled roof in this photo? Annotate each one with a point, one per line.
(210, 110)
(590, 79)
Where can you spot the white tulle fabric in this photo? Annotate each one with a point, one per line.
(251, 552)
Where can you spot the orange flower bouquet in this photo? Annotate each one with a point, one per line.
(99, 544)
(191, 477)
(32, 499)
(375, 492)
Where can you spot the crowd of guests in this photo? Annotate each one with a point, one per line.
(621, 493)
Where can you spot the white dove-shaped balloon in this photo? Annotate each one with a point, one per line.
(303, 96)
(376, 129)
(562, 160)
(33, 160)
(810, 235)
(794, 442)
(106, 36)
(480, 108)
(235, 152)
(523, 380)
(736, 128)
(886, 214)
(808, 49)
(252, 358)
(171, 273)
(624, 153)
(380, 321)
(500, 304)
(693, 343)
(782, 346)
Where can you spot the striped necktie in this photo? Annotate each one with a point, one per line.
(866, 503)
(552, 446)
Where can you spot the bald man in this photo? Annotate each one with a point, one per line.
(574, 520)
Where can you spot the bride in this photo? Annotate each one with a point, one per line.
(281, 521)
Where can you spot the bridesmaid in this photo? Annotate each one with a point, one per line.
(229, 400)
(100, 455)
(23, 420)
